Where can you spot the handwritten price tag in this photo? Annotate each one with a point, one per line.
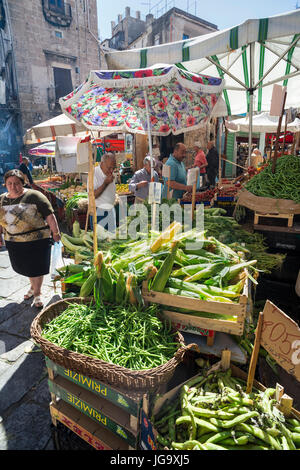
(281, 338)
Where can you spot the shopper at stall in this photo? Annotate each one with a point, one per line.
(256, 158)
(200, 162)
(24, 167)
(105, 192)
(30, 227)
(212, 158)
(139, 183)
(178, 176)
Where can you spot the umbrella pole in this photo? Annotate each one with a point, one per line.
(251, 91)
(92, 203)
(220, 152)
(277, 134)
(151, 156)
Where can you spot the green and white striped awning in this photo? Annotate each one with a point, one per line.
(251, 57)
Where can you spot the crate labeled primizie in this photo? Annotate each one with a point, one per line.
(130, 402)
(105, 413)
(84, 427)
(227, 317)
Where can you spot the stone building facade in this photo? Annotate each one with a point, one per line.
(52, 46)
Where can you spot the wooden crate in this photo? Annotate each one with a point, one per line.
(148, 431)
(289, 217)
(131, 402)
(201, 325)
(106, 414)
(85, 428)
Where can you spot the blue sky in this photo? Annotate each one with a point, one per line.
(223, 13)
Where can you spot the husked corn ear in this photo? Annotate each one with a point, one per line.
(166, 236)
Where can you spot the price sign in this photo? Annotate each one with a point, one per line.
(192, 176)
(166, 171)
(281, 338)
(155, 190)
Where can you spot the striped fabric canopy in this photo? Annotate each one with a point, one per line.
(251, 57)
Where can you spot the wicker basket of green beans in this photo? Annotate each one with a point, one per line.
(123, 346)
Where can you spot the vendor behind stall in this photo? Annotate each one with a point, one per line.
(200, 161)
(178, 176)
(24, 167)
(212, 158)
(105, 192)
(139, 183)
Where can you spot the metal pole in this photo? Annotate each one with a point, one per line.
(251, 91)
(149, 134)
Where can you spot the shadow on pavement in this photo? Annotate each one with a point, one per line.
(25, 422)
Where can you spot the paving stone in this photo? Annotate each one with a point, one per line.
(12, 355)
(19, 379)
(27, 428)
(9, 286)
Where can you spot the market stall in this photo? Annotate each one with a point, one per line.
(143, 341)
(120, 381)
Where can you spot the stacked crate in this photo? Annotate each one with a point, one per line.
(103, 416)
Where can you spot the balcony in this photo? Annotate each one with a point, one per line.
(57, 12)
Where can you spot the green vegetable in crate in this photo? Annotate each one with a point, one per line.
(163, 274)
(120, 288)
(283, 184)
(87, 287)
(104, 286)
(213, 412)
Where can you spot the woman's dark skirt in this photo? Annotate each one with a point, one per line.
(30, 259)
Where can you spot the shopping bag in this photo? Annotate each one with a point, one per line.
(56, 258)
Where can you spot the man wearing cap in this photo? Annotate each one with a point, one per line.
(139, 183)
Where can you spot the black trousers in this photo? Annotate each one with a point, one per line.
(211, 176)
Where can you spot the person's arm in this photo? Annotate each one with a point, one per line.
(137, 182)
(1, 236)
(52, 222)
(180, 186)
(29, 176)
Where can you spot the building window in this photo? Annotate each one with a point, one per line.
(62, 82)
(156, 40)
(57, 12)
(58, 34)
(56, 5)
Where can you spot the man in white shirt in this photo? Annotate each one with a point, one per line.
(105, 192)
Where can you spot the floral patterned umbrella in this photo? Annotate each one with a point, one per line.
(158, 100)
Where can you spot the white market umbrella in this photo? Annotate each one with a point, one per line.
(262, 123)
(46, 131)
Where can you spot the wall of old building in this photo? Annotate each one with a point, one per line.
(39, 46)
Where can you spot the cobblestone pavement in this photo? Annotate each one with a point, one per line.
(25, 422)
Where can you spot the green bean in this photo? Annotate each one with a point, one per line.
(199, 422)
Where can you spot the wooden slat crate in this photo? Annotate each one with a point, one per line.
(106, 414)
(198, 325)
(289, 217)
(85, 428)
(130, 402)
